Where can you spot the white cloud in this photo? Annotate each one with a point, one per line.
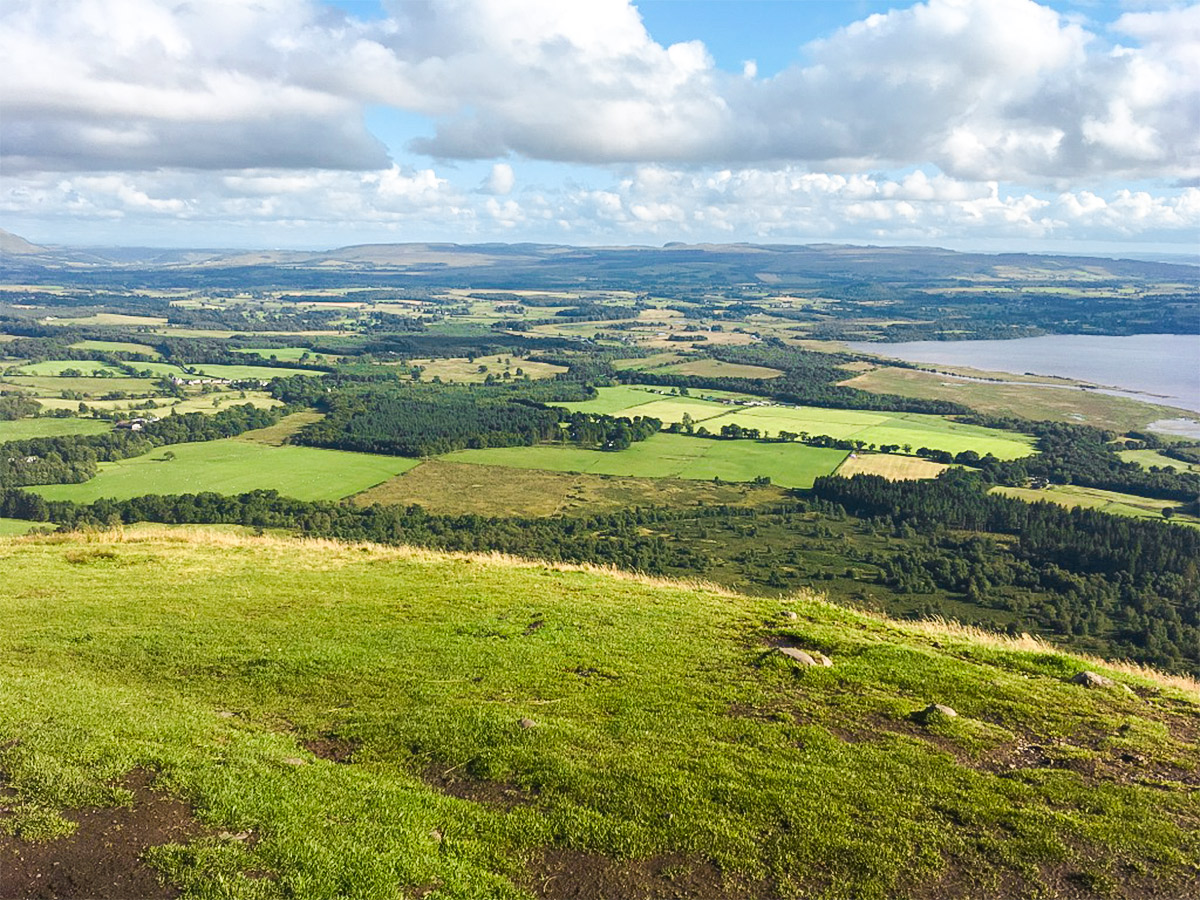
(983, 89)
(501, 180)
(651, 204)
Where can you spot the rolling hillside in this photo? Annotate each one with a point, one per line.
(262, 717)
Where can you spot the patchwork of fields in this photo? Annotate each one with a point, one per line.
(879, 428)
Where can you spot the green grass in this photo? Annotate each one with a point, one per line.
(22, 429)
(54, 385)
(233, 466)
(116, 347)
(460, 489)
(55, 367)
(914, 429)
(158, 369)
(1148, 458)
(715, 368)
(638, 401)
(663, 728)
(672, 456)
(237, 373)
(1058, 404)
(17, 526)
(917, 430)
(284, 354)
(1072, 495)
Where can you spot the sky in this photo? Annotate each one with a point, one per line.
(993, 125)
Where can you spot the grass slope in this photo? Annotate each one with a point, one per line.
(233, 466)
(672, 456)
(664, 741)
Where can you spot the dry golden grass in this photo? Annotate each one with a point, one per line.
(891, 467)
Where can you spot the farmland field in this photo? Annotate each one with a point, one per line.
(238, 373)
(17, 526)
(54, 385)
(715, 368)
(453, 488)
(116, 347)
(55, 367)
(460, 369)
(21, 429)
(999, 398)
(653, 361)
(1071, 495)
(636, 401)
(878, 428)
(233, 466)
(158, 369)
(914, 429)
(285, 354)
(107, 319)
(1148, 458)
(672, 456)
(205, 403)
(890, 466)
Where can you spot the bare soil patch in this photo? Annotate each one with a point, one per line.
(575, 875)
(103, 858)
(332, 747)
(496, 794)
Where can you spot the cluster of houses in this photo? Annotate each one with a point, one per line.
(198, 379)
(135, 424)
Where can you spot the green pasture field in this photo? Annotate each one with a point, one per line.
(460, 369)
(107, 319)
(1073, 495)
(1148, 458)
(1053, 403)
(55, 367)
(116, 347)
(672, 456)
(715, 368)
(453, 488)
(234, 466)
(158, 369)
(18, 526)
(508, 730)
(238, 373)
(22, 429)
(638, 401)
(653, 361)
(54, 385)
(879, 428)
(205, 403)
(284, 354)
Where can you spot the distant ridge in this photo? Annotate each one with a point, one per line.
(17, 245)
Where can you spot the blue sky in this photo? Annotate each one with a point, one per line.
(973, 124)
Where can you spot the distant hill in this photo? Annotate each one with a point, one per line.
(317, 719)
(551, 266)
(17, 245)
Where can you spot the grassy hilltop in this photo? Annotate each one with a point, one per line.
(310, 719)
